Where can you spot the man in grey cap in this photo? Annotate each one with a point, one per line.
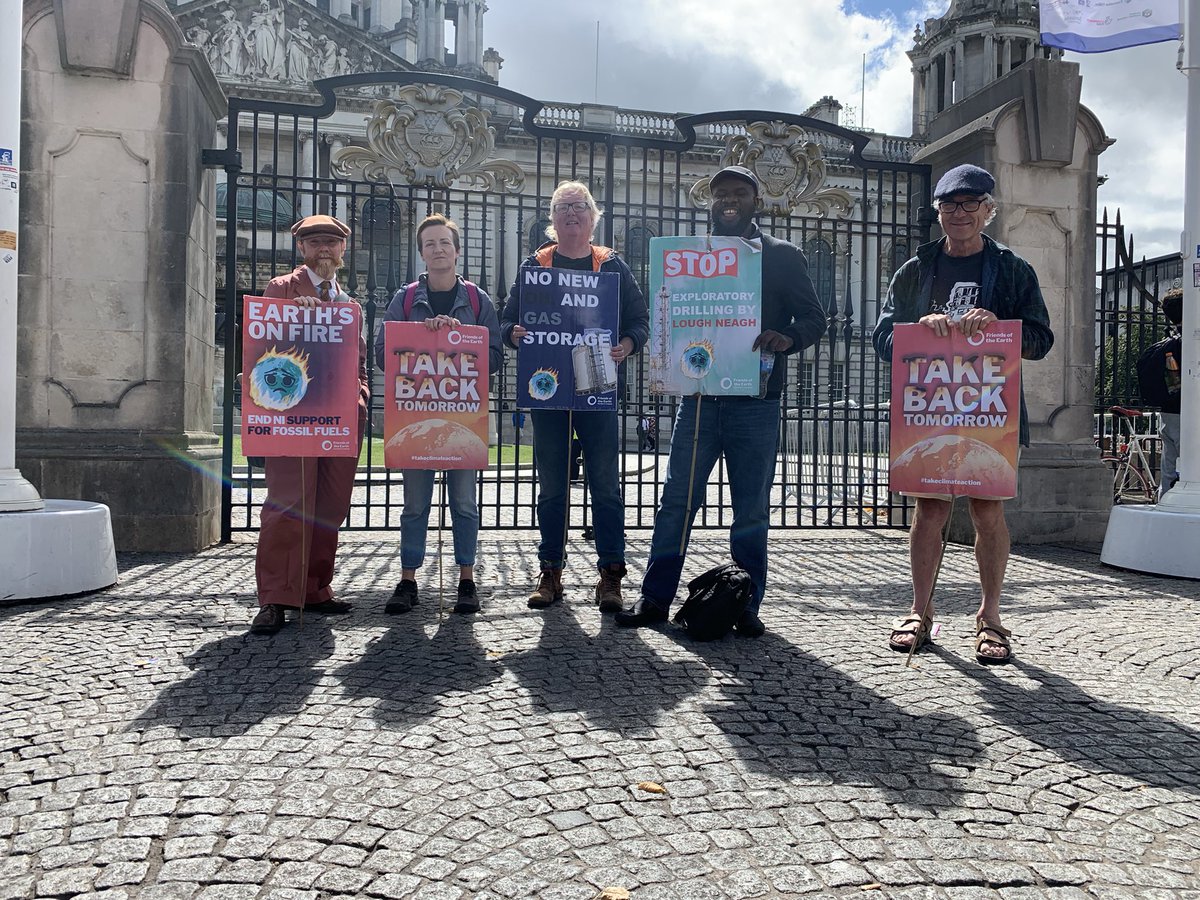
(744, 430)
(963, 281)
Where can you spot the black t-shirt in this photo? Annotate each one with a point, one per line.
(956, 284)
(584, 263)
(442, 301)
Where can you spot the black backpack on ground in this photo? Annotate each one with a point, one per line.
(1152, 374)
(716, 600)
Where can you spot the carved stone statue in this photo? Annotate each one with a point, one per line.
(266, 35)
(328, 57)
(229, 43)
(301, 53)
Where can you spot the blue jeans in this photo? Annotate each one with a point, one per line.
(597, 432)
(745, 430)
(414, 521)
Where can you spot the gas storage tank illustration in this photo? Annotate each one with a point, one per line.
(595, 371)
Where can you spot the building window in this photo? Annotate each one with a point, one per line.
(820, 267)
(323, 6)
(831, 390)
(354, 12)
(366, 18)
(637, 251)
(537, 234)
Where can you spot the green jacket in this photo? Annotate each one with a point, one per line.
(1009, 289)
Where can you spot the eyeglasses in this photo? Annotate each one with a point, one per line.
(949, 206)
(578, 206)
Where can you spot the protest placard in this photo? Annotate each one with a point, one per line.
(955, 411)
(300, 378)
(706, 314)
(565, 361)
(435, 396)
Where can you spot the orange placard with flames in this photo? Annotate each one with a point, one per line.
(956, 411)
(436, 389)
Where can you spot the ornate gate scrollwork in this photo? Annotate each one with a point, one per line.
(791, 171)
(427, 136)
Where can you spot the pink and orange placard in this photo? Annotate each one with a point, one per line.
(436, 397)
(956, 411)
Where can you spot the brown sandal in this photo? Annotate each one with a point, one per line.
(992, 633)
(920, 626)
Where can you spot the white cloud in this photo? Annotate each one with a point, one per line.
(700, 56)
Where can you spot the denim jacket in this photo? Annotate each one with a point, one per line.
(1010, 290)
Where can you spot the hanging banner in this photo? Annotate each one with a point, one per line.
(705, 316)
(1100, 25)
(956, 411)
(300, 378)
(436, 397)
(565, 361)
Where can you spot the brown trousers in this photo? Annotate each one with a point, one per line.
(307, 499)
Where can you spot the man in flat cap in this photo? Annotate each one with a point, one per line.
(744, 430)
(963, 281)
(307, 499)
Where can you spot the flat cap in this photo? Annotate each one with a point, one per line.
(739, 172)
(964, 179)
(314, 225)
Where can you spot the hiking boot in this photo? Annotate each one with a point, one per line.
(608, 588)
(548, 591)
(403, 598)
(468, 597)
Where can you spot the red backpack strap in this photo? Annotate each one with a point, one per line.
(473, 296)
(410, 293)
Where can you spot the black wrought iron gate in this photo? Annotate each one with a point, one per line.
(382, 150)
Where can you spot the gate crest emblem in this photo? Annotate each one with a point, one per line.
(427, 136)
(791, 171)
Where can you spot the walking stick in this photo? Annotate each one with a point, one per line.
(305, 541)
(441, 565)
(687, 517)
(567, 494)
(936, 572)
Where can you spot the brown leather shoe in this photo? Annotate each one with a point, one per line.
(549, 589)
(608, 588)
(269, 619)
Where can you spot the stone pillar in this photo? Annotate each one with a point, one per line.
(948, 80)
(1007, 59)
(1043, 148)
(989, 60)
(960, 70)
(308, 161)
(931, 81)
(115, 380)
(433, 40)
(462, 43)
(477, 47)
(439, 31)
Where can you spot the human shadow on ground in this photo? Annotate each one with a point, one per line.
(242, 680)
(623, 685)
(790, 715)
(1080, 728)
(413, 676)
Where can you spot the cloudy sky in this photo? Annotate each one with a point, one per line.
(703, 55)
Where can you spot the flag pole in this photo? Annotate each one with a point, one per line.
(1162, 539)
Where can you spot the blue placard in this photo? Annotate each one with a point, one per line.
(564, 361)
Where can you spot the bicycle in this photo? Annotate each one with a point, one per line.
(1131, 460)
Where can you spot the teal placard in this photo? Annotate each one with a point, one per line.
(705, 313)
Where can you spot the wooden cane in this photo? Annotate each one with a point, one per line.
(687, 518)
(441, 566)
(936, 572)
(305, 538)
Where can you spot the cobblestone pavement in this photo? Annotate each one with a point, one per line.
(150, 748)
